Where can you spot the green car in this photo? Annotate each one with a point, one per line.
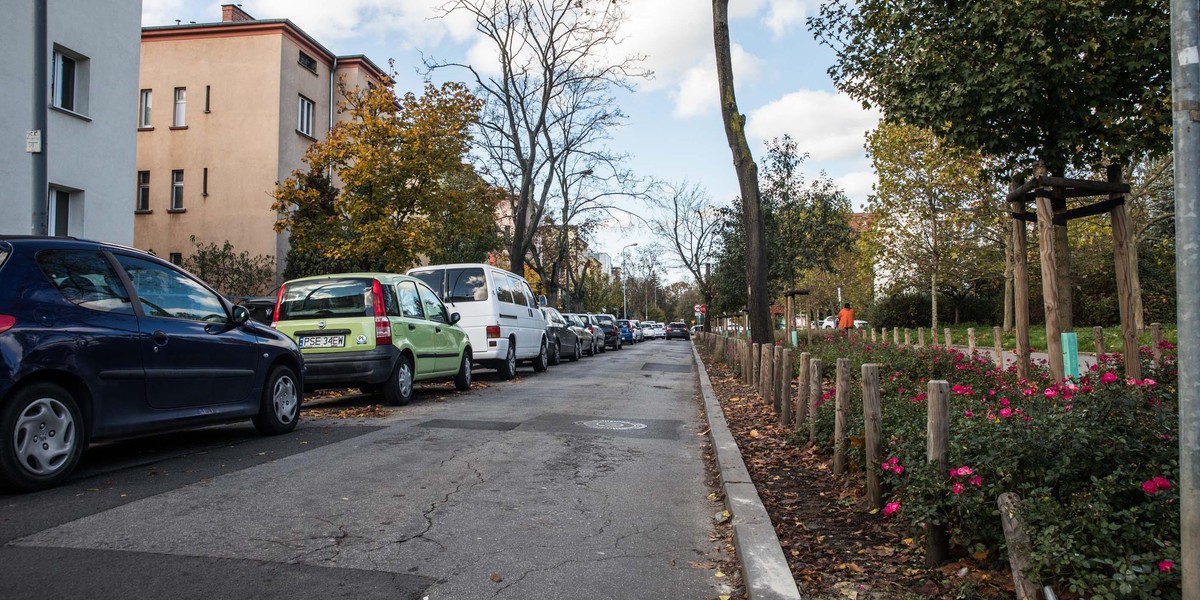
(372, 331)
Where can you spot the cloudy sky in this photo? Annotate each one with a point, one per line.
(674, 131)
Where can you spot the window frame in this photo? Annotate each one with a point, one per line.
(64, 96)
(306, 119)
(145, 109)
(179, 115)
(142, 199)
(177, 190)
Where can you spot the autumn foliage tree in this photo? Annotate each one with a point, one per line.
(406, 190)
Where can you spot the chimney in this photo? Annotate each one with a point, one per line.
(234, 12)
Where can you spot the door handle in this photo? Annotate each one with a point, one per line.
(437, 329)
(160, 338)
(412, 327)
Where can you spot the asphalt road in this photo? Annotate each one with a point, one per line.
(586, 482)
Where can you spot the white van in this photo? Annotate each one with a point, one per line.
(499, 313)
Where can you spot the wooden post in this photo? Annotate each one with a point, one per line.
(949, 343)
(872, 334)
(896, 336)
(1155, 340)
(766, 373)
(920, 337)
(776, 386)
(755, 356)
(1049, 261)
(907, 337)
(1122, 233)
(872, 433)
(1017, 542)
(842, 400)
(790, 317)
(937, 453)
(1098, 339)
(1020, 281)
(808, 312)
(802, 397)
(971, 343)
(785, 388)
(816, 373)
(999, 348)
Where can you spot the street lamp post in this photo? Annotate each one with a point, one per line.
(624, 279)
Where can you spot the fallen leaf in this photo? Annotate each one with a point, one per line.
(753, 433)
(981, 555)
(720, 574)
(497, 578)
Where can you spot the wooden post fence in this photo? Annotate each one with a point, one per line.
(999, 348)
(907, 337)
(815, 372)
(785, 388)
(842, 400)
(896, 336)
(755, 355)
(1098, 340)
(872, 433)
(1017, 542)
(766, 374)
(920, 337)
(802, 398)
(776, 369)
(949, 342)
(937, 548)
(1155, 340)
(872, 334)
(971, 343)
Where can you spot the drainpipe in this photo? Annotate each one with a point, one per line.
(332, 81)
(40, 185)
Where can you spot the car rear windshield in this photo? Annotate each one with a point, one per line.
(326, 298)
(623, 323)
(463, 284)
(604, 319)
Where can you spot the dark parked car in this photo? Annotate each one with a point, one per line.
(563, 338)
(99, 341)
(590, 323)
(612, 332)
(678, 330)
(583, 331)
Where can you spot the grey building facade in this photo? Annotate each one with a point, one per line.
(91, 59)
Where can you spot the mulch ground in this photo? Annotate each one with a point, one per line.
(836, 546)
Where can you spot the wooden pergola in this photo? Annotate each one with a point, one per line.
(1050, 196)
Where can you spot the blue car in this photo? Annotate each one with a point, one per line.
(627, 331)
(100, 341)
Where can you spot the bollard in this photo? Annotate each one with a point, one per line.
(920, 337)
(999, 348)
(872, 433)
(949, 343)
(907, 337)
(937, 548)
(971, 343)
(785, 388)
(1098, 340)
(766, 373)
(815, 372)
(842, 401)
(802, 397)
(776, 369)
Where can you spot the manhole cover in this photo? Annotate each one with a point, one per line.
(611, 425)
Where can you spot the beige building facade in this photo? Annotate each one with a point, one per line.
(226, 110)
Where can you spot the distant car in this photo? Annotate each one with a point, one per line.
(587, 341)
(859, 323)
(612, 332)
(100, 341)
(628, 330)
(696, 329)
(588, 321)
(262, 308)
(660, 331)
(563, 339)
(829, 323)
(647, 328)
(677, 329)
(639, 334)
(373, 331)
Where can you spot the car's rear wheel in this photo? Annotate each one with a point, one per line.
(41, 438)
(578, 350)
(556, 353)
(508, 367)
(281, 399)
(541, 362)
(462, 381)
(399, 388)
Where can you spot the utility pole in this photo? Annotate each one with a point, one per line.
(624, 278)
(39, 183)
(1185, 107)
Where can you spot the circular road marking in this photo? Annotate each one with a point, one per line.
(612, 425)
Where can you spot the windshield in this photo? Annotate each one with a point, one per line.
(605, 320)
(324, 298)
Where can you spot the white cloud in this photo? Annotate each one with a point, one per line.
(857, 185)
(164, 12)
(783, 15)
(697, 94)
(407, 23)
(827, 126)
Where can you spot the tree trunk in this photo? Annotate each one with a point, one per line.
(1008, 284)
(747, 172)
(933, 301)
(1135, 282)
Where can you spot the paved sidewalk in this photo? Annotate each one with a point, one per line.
(765, 570)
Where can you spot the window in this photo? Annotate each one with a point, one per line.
(204, 183)
(207, 97)
(434, 311)
(410, 302)
(70, 81)
(86, 278)
(308, 62)
(60, 212)
(144, 109)
(180, 119)
(465, 285)
(143, 191)
(176, 258)
(167, 293)
(177, 189)
(304, 118)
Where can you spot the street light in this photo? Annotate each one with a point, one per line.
(624, 279)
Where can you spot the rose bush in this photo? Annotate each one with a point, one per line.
(1094, 460)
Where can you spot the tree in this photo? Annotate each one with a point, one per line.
(690, 224)
(925, 211)
(757, 302)
(230, 272)
(549, 97)
(406, 190)
(1077, 83)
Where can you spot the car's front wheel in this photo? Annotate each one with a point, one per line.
(578, 350)
(41, 438)
(462, 381)
(399, 388)
(280, 406)
(541, 362)
(556, 353)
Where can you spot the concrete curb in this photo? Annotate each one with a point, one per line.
(765, 570)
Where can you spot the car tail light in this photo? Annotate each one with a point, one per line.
(275, 313)
(7, 322)
(493, 331)
(383, 327)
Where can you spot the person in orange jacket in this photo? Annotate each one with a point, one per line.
(846, 318)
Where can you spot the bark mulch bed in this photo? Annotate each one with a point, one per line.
(835, 545)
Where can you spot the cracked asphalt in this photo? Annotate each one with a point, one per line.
(586, 482)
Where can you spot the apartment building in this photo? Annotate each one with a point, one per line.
(224, 111)
(71, 77)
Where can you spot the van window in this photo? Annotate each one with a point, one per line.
(530, 299)
(505, 289)
(431, 278)
(518, 289)
(464, 285)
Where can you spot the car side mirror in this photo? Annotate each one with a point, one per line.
(455, 318)
(241, 314)
(542, 300)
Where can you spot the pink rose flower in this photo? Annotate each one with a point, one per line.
(1050, 393)
(976, 480)
(1108, 377)
(967, 413)
(1149, 487)
(890, 508)
(1166, 565)
(958, 488)
(1005, 413)
(1004, 402)
(1161, 483)
(897, 469)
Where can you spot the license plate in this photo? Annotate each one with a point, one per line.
(323, 341)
